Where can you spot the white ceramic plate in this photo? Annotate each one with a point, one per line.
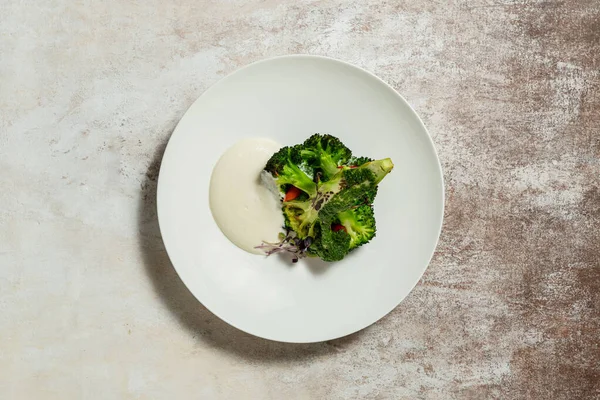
(288, 99)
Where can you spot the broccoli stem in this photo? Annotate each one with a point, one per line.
(379, 167)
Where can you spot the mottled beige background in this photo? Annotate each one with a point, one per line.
(90, 307)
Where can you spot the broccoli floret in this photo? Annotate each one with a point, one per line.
(334, 191)
(357, 161)
(374, 171)
(329, 245)
(325, 153)
(359, 223)
(348, 198)
(287, 168)
(300, 216)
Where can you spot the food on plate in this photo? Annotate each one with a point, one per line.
(326, 197)
(244, 209)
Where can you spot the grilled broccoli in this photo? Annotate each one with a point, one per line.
(289, 169)
(359, 223)
(325, 153)
(327, 197)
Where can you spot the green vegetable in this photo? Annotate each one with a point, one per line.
(288, 168)
(359, 223)
(336, 189)
(325, 154)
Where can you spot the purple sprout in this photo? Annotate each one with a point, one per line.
(289, 243)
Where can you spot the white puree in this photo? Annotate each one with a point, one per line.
(244, 209)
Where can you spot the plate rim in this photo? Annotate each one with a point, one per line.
(329, 59)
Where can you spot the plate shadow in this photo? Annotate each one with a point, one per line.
(191, 314)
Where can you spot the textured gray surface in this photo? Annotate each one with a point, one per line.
(90, 305)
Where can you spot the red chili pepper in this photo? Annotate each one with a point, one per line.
(338, 227)
(292, 193)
